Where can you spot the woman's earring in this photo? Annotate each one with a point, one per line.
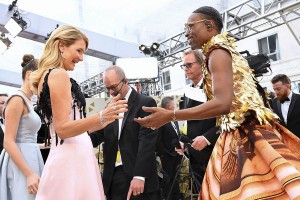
(62, 54)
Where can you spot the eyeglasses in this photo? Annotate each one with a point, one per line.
(188, 26)
(114, 87)
(187, 65)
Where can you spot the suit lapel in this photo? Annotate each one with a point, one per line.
(116, 128)
(185, 101)
(189, 102)
(131, 101)
(291, 107)
(177, 128)
(279, 111)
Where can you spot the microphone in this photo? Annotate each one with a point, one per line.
(185, 139)
(176, 143)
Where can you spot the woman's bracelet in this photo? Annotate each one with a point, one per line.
(101, 118)
(174, 115)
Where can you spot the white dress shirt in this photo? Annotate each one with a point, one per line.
(119, 134)
(120, 125)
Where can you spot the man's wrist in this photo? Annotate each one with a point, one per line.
(206, 140)
(140, 178)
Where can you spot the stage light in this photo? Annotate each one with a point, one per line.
(12, 5)
(49, 34)
(15, 24)
(154, 46)
(145, 49)
(4, 43)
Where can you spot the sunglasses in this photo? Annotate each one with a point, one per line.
(114, 87)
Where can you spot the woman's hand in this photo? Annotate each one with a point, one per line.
(33, 183)
(114, 108)
(158, 117)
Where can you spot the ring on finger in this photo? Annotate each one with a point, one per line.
(114, 107)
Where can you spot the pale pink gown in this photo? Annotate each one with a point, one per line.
(71, 171)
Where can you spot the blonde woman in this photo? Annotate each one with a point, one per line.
(71, 170)
(21, 162)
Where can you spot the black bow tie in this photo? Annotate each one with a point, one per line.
(284, 100)
(1, 120)
(200, 87)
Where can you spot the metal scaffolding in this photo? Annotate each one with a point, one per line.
(241, 21)
(94, 86)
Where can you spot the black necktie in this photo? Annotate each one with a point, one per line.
(284, 100)
(1, 120)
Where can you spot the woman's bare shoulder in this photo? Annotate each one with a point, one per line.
(59, 73)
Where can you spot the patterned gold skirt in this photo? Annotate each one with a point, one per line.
(254, 162)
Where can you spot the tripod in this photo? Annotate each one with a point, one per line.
(194, 183)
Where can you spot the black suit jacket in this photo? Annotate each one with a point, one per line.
(293, 117)
(137, 145)
(206, 127)
(166, 136)
(1, 139)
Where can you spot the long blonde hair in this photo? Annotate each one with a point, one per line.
(51, 56)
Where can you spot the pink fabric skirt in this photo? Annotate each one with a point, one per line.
(71, 172)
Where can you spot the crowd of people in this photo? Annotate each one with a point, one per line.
(237, 148)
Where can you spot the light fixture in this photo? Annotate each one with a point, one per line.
(145, 49)
(154, 46)
(158, 54)
(15, 24)
(49, 34)
(4, 43)
(12, 5)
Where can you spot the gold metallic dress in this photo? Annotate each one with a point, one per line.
(254, 157)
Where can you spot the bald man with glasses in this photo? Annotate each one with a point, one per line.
(129, 149)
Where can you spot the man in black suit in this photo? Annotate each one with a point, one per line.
(205, 131)
(168, 135)
(286, 104)
(129, 149)
(3, 98)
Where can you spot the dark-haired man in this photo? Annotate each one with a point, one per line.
(286, 104)
(3, 98)
(129, 149)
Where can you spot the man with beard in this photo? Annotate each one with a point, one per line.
(286, 103)
(129, 149)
